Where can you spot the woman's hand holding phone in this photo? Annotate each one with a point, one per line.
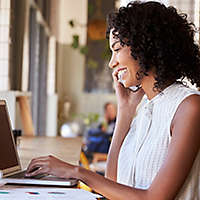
(128, 97)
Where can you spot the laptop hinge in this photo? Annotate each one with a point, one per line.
(11, 173)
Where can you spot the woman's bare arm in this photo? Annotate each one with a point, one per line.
(127, 104)
(182, 152)
(121, 129)
(185, 145)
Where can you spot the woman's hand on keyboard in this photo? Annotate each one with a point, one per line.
(50, 165)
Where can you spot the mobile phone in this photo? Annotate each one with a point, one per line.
(133, 88)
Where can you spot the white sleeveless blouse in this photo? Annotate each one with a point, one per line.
(145, 147)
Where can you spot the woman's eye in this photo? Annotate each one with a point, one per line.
(116, 50)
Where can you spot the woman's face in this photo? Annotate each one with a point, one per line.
(123, 61)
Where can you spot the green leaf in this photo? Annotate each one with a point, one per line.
(90, 8)
(106, 54)
(71, 23)
(84, 50)
(88, 118)
(92, 63)
(75, 43)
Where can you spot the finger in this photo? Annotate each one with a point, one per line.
(39, 170)
(115, 75)
(32, 168)
(41, 158)
(33, 172)
(31, 164)
(35, 164)
(116, 79)
(38, 159)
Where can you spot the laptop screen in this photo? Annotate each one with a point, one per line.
(8, 156)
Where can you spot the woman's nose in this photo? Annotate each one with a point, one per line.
(113, 62)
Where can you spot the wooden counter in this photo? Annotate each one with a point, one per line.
(66, 149)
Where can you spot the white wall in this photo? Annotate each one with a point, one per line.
(5, 14)
(76, 10)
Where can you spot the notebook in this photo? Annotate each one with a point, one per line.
(10, 166)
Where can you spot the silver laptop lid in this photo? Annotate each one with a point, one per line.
(9, 160)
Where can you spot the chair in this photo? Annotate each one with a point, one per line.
(99, 163)
(25, 112)
(85, 163)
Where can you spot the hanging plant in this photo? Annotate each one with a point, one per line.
(96, 29)
(75, 41)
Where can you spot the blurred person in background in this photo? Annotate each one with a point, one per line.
(99, 139)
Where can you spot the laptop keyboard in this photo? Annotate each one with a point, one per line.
(22, 175)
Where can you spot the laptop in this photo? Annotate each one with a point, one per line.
(10, 166)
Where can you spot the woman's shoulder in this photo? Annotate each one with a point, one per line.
(176, 93)
(175, 97)
(192, 102)
(188, 109)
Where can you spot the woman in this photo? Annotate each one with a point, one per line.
(154, 156)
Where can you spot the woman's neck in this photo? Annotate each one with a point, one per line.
(148, 85)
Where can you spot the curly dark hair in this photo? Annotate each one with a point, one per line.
(160, 38)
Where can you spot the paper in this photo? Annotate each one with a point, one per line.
(2, 182)
(45, 194)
